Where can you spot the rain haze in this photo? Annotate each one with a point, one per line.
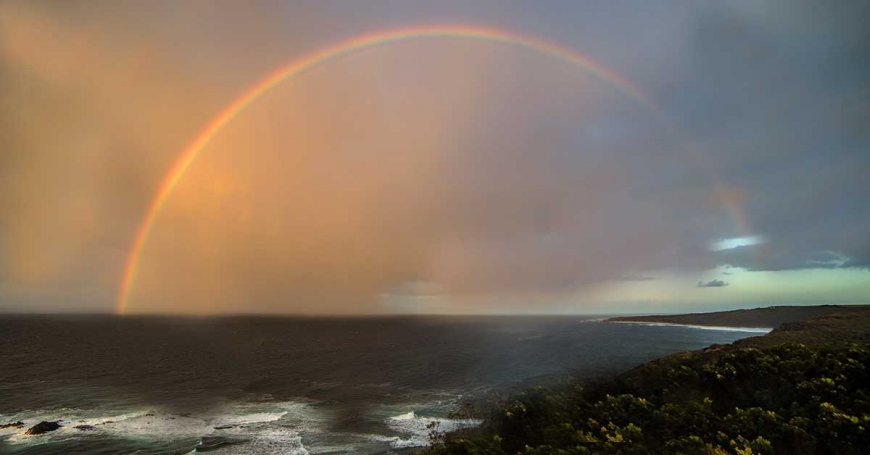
(635, 157)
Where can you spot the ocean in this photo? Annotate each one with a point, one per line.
(263, 385)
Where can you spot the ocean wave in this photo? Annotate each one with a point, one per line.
(241, 428)
(417, 429)
(246, 419)
(277, 440)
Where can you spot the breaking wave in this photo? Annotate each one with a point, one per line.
(417, 429)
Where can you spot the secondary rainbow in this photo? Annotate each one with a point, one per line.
(251, 94)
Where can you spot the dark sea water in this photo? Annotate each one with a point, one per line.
(288, 385)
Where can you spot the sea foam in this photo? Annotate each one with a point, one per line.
(251, 427)
(417, 429)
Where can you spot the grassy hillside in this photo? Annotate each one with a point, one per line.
(803, 388)
(758, 317)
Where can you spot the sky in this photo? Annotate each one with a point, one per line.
(434, 175)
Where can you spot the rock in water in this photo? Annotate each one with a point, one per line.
(43, 427)
(17, 424)
(85, 427)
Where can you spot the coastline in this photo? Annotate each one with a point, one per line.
(759, 330)
(799, 388)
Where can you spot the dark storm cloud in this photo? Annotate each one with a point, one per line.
(712, 284)
(774, 93)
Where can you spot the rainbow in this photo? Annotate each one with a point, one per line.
(308, 61)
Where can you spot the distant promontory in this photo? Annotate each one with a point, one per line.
(769, 317)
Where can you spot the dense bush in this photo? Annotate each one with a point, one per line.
(781, 400)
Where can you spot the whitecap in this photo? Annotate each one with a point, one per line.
(417, 429)
(257, 423)
(267, 441)
(246, 419)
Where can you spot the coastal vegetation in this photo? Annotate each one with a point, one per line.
(803, 388)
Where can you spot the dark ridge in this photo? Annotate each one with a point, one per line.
(773, 316)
